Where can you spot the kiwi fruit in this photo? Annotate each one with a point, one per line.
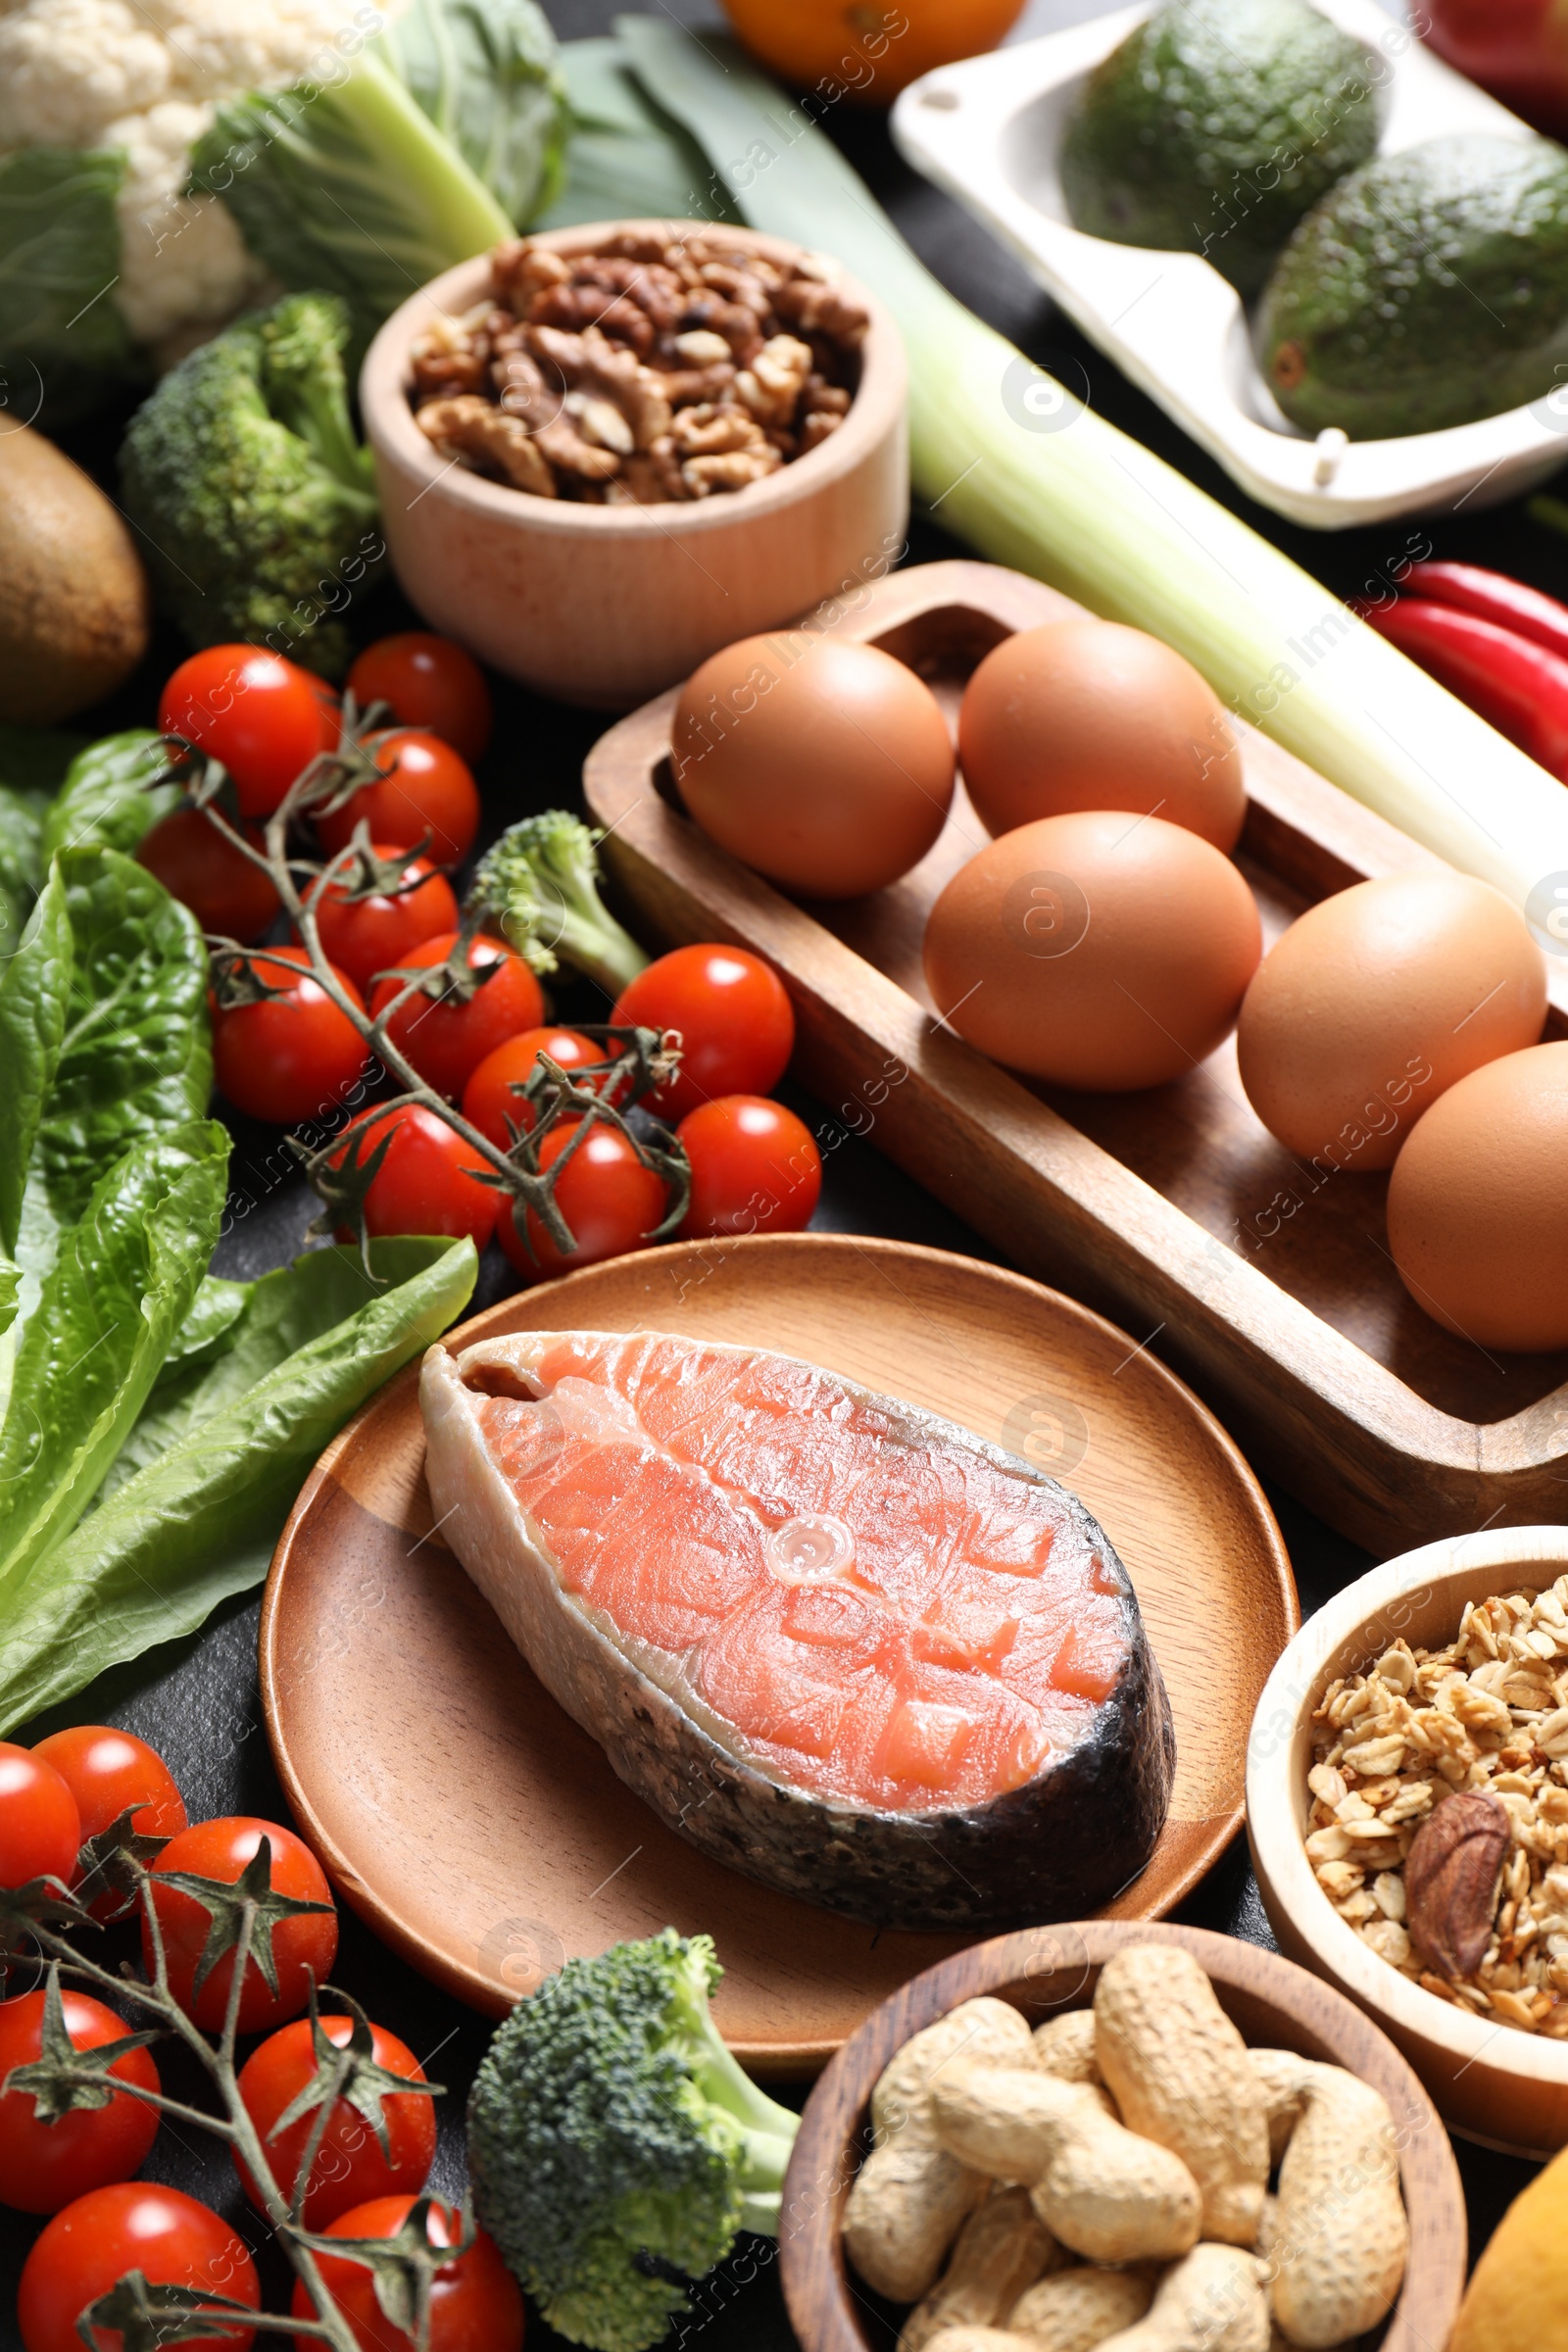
(75, 610)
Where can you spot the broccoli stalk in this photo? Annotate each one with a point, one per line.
(542, 879)
(613, 2141)
(252, 497)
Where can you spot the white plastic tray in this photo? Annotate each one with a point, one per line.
(988, 131)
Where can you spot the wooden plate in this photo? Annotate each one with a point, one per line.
(1268, 1282)
(485, 1837)
(1274, 2004)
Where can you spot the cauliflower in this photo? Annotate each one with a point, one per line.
(96, 73)
(166, 165)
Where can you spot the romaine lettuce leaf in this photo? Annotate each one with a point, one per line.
(34, 1000)
(107, 799)
(198, 1521)
(137, 1056)
(122, 1284)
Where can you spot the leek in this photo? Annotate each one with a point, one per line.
(1029, 476)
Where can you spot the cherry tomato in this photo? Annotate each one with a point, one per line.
(349, 2166)
(425, 1183)
(476, 2303)
(430, 683)
(108, 1771)
(610, 1200)
(736, 1024)
(755, 1168)
(292, 1056)
(426, 794)
(41, 1829)
(488, 1102)
(201, 868)
(366, 936)
(329, 712)
(253, 710)
(135, 2226)
(446, 1039)
(43, 2165)
(221, 1849)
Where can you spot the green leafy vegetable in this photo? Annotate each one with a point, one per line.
(485, 71)
(136, 1058)
(34, 1003)
(199, 1519)
(627, 157)
(122, 1284)
(256, 500)
(61, 332)
(352, 190)
(108, 799)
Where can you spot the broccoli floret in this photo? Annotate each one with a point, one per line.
(542, 879)
(612, 2139)
(252, 497)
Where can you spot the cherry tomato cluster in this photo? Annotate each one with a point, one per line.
(264, 719)
(286, 1052)
(54, 1798)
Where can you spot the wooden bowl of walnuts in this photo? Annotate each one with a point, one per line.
(1407, 1810)
(604, 452)
(855, 2225)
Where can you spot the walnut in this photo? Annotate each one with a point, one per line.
(771, 386)
(519, 272)
(488, 440)
(819, 427)
(708, 431)
(566, 449)
(650, 370)
(733, 469)
(820, 309)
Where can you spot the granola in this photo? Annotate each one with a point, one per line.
(1489, 1713)
(652, 371)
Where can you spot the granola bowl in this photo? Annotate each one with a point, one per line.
(1447, 1923)
(606, 605)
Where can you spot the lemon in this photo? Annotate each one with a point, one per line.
(1517, 2300)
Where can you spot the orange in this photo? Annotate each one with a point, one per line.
(862, 50)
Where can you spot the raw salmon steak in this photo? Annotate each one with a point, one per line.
(832, 1639)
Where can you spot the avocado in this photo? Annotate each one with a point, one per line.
(1215, 127)
(1428, 289)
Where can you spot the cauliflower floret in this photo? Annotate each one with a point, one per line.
(69, 68)
(219, 47)
(183, 262)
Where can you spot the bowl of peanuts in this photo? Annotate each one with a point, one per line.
(605, 451)
(1125, 2134)
(1407, 1811)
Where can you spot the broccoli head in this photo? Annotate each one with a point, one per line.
(254, 499)
(542, 879)
(615, 2142)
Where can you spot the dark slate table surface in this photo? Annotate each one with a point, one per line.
(197, 1701)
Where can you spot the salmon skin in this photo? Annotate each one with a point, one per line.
(833, 1641)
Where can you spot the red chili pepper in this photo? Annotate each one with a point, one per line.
(1489, 596)
(1520, 687)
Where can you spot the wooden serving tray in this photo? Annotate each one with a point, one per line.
(1173, 1210)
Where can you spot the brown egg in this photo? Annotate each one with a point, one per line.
(1478, 1204)
(826, 766)
(1374, 1002)
(1087, 714)
(1100, 951)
